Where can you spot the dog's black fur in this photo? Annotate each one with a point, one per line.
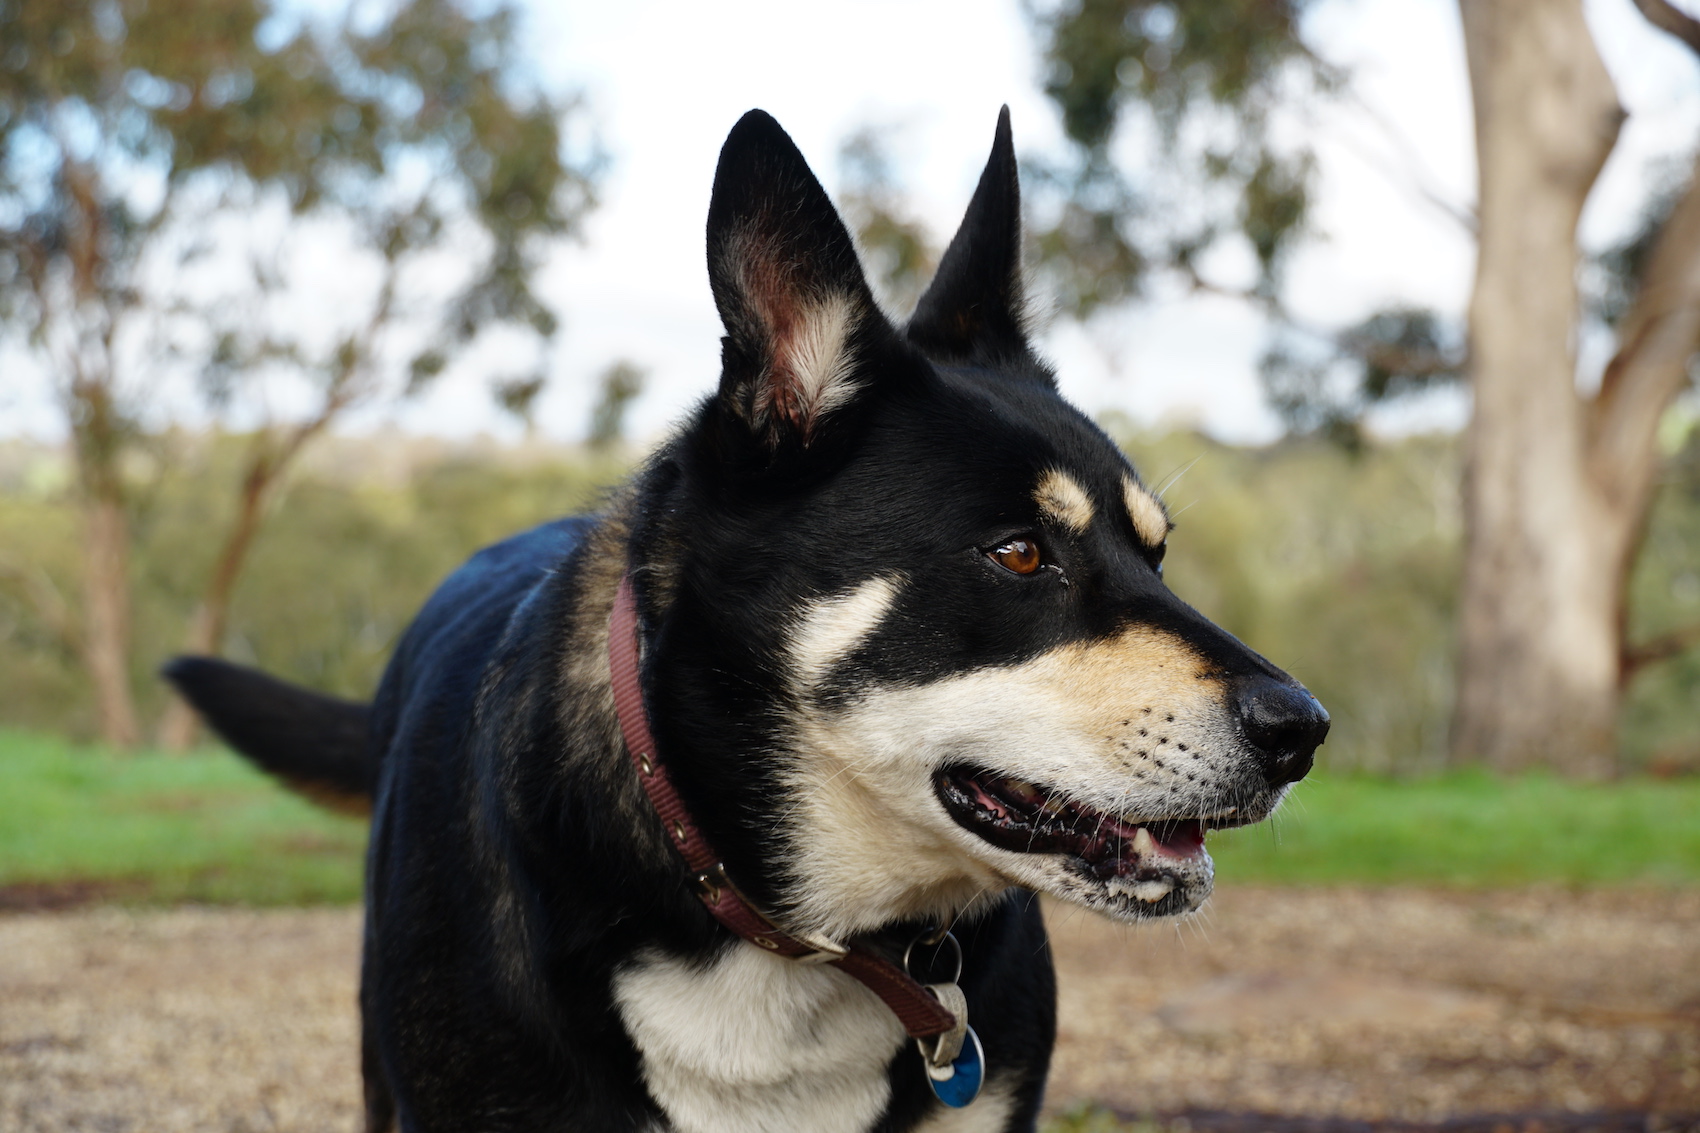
(516, 875)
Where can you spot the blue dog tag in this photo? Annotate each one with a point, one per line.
(966, 1074)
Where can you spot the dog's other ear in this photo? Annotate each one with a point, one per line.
(972, 311)
(800, 319)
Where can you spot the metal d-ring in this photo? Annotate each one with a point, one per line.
(934, 938)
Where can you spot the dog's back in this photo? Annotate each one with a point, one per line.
(325, 746)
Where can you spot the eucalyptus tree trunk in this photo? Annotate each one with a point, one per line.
(106, 618)
(1546, 551)
(1559, 485)
(102, 631)
(105, 622)
(84, 323)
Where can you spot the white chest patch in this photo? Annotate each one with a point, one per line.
(754, 1043)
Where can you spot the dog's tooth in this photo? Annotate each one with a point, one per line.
(1154, 890)
(1144, 844)
(1022, 789)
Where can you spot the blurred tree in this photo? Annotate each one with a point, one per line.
(1326, 384)
(1558, 485)
(136, 138)
(518, 397)
(1198, 85)
(1559, 482)
(897, 248)
(620, 384)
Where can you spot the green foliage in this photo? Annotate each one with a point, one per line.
(149, 827)
(1342, 564)
(167, 172)
(1179, 99)
(1178, 58)
(1342, 567)
(1085, 250)
(361, 537)
(1323, 385)
(128, 128)
(1202, 83)
(518, 396)
(1660, 720)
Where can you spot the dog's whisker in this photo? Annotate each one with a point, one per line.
(1174, 477)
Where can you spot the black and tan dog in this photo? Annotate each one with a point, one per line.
(908, 655)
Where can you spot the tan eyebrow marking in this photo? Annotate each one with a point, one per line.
(1062, 498)
(1150, 519)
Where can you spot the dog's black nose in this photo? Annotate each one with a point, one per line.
(1284, 722)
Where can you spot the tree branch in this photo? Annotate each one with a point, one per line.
(1661, 648)
(1198, 285)
(1415, 176)
(271, 453)
(1668, 18)
(1413, 362)
(1657, 336)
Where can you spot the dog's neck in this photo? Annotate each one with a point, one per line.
(686, 649)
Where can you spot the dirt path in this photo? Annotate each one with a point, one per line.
(1331, 1003)
(1388, 1005)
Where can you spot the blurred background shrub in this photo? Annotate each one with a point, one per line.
(1341, 563)
(370, 526)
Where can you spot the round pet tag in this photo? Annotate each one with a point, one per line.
(959, 1083)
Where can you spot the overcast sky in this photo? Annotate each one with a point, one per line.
(665, 80)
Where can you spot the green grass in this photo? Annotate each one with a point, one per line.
(1470, 828)
(206, 827)
(149, 827)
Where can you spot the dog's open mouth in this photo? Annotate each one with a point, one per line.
(1013, 814)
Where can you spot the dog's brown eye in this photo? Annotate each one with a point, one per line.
(1018, 555)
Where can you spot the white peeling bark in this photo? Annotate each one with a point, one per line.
(1539, 635)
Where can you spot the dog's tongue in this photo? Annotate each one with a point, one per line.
(1133, 846)
(1026, 819)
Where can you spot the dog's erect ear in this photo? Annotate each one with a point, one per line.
(972, 311)
(799, 316)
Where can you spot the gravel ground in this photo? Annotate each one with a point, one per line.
(1388, 1005)
(1400, 1004)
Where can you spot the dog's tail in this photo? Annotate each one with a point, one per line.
(316, 744)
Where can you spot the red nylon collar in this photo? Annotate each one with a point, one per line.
(922, 1016)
